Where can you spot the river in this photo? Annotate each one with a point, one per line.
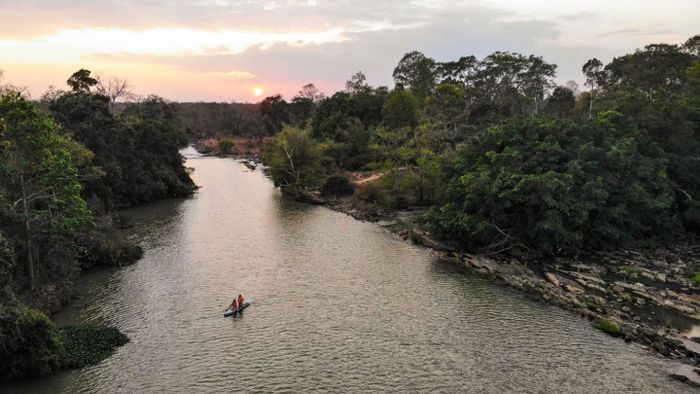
(338, 306)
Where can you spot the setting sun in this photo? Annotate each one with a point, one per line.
(257, 92)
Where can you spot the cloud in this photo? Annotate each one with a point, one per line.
(213, 49)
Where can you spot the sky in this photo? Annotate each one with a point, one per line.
(226, 50)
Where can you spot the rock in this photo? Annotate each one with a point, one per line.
(571, 288)
(483, 263)
(552, 278)
(680, 308)
(685, 379)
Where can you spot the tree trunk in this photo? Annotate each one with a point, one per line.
(29, 259)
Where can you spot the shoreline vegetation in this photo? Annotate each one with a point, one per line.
(588, 200)
(68, 164)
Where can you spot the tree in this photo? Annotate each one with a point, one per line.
(114, 88)
(561, 102)
(400, 110)
(537, 79)
(692, 46)
(447, 107)
(39, 180)
(460, 72)
(416, 72)
(81, 81)
(275, 113)
(309, 91)
(658, 70)
(595, 78)
(356, 83)
(553, 186)
(294, 160)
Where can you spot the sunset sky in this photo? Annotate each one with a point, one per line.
(229, 50)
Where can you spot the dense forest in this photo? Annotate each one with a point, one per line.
(503, 157)
(63, 173)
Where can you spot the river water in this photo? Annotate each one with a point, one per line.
(338, 306)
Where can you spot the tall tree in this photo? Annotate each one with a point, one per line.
(114, 88)
(39, 180)
(595, 78)
(356, 83)
(416, 72)
(561, 102)
(81, 81)
(275, 113)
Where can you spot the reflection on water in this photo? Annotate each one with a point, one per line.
(338, 305)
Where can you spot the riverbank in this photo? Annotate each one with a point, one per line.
(645, 296)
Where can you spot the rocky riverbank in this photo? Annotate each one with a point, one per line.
(644, 296)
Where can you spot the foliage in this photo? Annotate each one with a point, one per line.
(225, 144)
(293, 159)
(38, 179)
(608, 327)
(555, 185)
(696, 278)
(595, 306)
(400, 110)
(29, 344)
(138, 151)
(88, 345)
(106, 249)
(337, 185)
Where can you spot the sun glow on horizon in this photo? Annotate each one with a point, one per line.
(258, 91)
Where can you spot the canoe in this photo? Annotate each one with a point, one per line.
(233, 312)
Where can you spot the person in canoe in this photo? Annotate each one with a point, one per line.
(240, 300)
(234, 305)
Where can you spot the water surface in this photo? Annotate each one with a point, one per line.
(338, 306)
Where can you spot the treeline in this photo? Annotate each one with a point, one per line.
(62, 174)
(206, 120)
(505, 157)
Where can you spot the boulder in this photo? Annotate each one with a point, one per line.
(552, 278)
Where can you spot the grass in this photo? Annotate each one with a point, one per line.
(595, 307)
(696, 278)
(608, 327)
(629, 269)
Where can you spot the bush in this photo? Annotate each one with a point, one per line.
(337, 185)
(595, 306)
(99, 249)
(88, 345)
(696, 278)
(372, 193)
(608, 327)
(29, 344)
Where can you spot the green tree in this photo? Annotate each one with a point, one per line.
(294, 160)
(555, 186)
(400, 110)
(38, 179)
(416, 72)
(275, 113)
(561, 102)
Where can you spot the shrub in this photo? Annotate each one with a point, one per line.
(696, 278)
(608, 327)
(372, 193)
(595, 306)
(337, 185)
(29, 344)
(100, 249)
